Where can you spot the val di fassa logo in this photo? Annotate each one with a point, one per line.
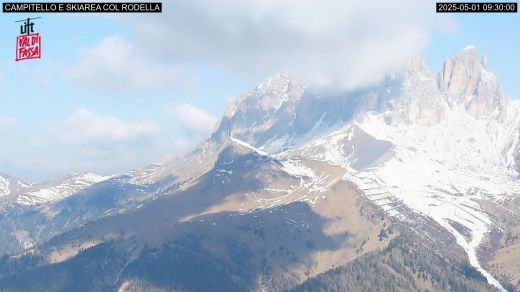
(28, 43)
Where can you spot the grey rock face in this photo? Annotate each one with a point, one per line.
(418, 96)
(466, 80)
(412, 97)
(461, 74)
(262, 114)
(280, 113)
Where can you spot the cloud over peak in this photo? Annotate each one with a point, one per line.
(336, 43)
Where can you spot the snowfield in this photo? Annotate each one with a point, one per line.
(441, 171)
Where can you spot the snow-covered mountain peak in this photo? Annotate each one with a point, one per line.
(268, 96)
(279, 113)
(58, 189)
(418, 96)
(279, 80)
(437, 144)
(83, 176)
(10, 185)
(269, 106)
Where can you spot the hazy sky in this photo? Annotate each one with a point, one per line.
(115, 92)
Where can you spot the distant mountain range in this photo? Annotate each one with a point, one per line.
(408, 185)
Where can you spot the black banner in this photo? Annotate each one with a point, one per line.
(82, 7)
(477, 7)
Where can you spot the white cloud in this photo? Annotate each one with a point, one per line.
(87, 126)
(84, 141)
(196, 122)
(115, 66)
(330, 42)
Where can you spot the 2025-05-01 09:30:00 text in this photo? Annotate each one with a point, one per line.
(476, 7)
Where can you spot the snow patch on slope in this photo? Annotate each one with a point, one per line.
(59, 189)
(4, 187)
(443, 171)
(296, 169)
(147, 175)
(244, 144)
(331, 148)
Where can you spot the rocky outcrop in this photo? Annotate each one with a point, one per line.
(467, 80)
(279, 113)
(413, 97)
(418, 96)
(262, 113)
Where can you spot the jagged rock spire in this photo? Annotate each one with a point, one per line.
(466, 80)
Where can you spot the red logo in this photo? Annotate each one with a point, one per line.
(29, 43)
(28, 47)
